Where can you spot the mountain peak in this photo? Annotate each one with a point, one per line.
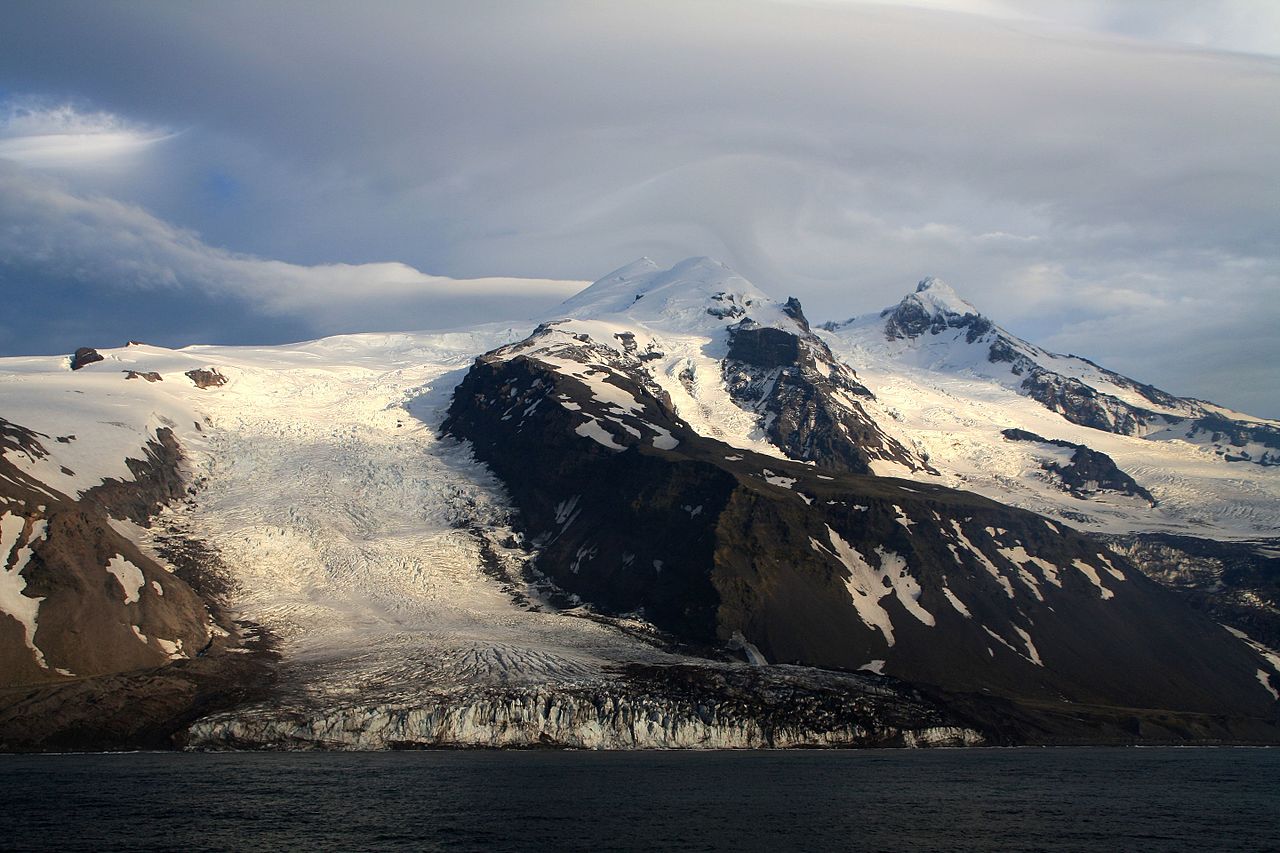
(696, 292)
(640, 266)
(933, 306)
(936, 294)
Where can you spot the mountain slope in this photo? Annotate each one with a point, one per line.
(1177, 495)
(935, 327)
(84, 600)
(674, 504)
(629, 508)
(737, 364)
(954, 382)
(378, 559)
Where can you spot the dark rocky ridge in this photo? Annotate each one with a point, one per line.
(708, 541)
(148, 708)
(16, 437)
(1084, 405)
(157, 481)
(810, 401)
(1089, 471)
(84, 618)
(934, 308)
(920, 314)
(677, 597)
(1076, 401)
(1233, 437)
(1019, 722)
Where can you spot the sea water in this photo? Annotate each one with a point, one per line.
(1192, 799)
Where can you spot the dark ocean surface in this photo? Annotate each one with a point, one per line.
(987, 799)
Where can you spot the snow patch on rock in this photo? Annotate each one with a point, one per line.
(1092, 574)
(129, 577)
(16, 541)
(868, 585)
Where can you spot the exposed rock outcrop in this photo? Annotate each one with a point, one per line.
(936, 319)
(85, 356)
(157, 480)
(145, 709)
(932, 309)
(88, 602)
(206, 377)
(1087, 473)
(1235, 583)
(810, 402)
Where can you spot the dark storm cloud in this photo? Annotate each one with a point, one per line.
(1068, 185)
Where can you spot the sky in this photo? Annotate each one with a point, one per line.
(1099, 177)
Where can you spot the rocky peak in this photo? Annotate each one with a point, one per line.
(764, 346)
(793, 310)
(811, 404)
(933, 308)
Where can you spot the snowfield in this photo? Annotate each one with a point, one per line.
(956, 416)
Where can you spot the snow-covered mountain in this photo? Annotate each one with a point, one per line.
(672, 514)
(934, 327)
(1185, 487)
(955, 382)
(733, 362)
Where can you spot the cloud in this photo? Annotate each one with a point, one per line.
(838, 152)
(1248, 26)
(111, 248)
(40, 135)
(1218, 351)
